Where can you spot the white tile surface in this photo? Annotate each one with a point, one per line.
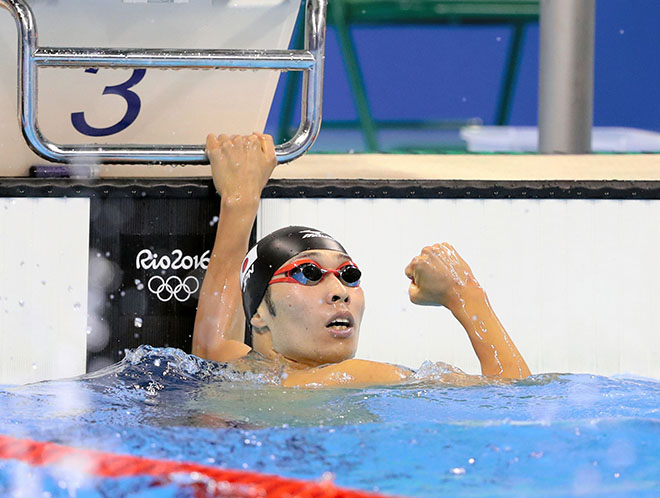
(43, 288)
(574, 281)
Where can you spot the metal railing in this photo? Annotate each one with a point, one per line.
(31, 56)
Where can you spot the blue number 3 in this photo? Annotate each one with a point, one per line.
(132, 101)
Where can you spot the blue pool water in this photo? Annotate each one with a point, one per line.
(550, 435)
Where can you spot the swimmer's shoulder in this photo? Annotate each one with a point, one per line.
(256, 363)
(355, 372)
(346, 373)
(224, 351)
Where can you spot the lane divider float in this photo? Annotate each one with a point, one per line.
(207, 481)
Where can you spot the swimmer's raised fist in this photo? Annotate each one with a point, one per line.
(241, 165)
(439, 277)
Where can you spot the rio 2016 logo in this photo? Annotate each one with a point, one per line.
(172, 287)
(148, 260)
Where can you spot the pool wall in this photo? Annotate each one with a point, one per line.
(569, 265)
(43, 287)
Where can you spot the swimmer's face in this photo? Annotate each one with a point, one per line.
(314, 324)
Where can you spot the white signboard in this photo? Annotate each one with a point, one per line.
(142, 106)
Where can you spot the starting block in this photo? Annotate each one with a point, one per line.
(112, 103)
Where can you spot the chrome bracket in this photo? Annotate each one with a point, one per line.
(31, 56)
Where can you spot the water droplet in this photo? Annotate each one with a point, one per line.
(136, 335)
(457, 471)
(498, 38)
(112, 297)
(76, 306)
(137, 322)
(122, 293)
(140, 286)
(621, 31)
(157, 362)
(616, 475)
(471, 461)
(327, 477)
(21, 303)
(107, 254)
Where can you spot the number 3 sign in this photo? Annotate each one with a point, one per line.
(132, 111)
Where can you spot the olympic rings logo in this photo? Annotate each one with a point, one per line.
(173, 287)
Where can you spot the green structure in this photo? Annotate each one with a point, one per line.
(343, 14)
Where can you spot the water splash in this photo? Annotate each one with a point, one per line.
(546, 430)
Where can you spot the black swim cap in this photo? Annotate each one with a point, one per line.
(271, 252)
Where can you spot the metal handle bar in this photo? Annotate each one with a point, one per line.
(31, 56)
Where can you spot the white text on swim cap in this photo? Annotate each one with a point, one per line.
(247, 268)
(314, 233)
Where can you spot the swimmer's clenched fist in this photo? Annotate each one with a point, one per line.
(241, 165)
(438, 276)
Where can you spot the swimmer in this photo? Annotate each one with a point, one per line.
(299, 291)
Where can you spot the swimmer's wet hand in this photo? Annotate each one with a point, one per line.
(439, 276)
(241, 165)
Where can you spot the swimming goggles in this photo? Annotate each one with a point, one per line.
(308, 272)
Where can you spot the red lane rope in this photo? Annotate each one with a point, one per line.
(219, 482)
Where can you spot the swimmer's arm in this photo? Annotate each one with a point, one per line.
(219, 323)
(440, 277)
(241, 167)
(347, 373)
(497, 353)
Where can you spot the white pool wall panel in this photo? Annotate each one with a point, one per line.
(176, 107)
(43, 288)
(573, 281)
